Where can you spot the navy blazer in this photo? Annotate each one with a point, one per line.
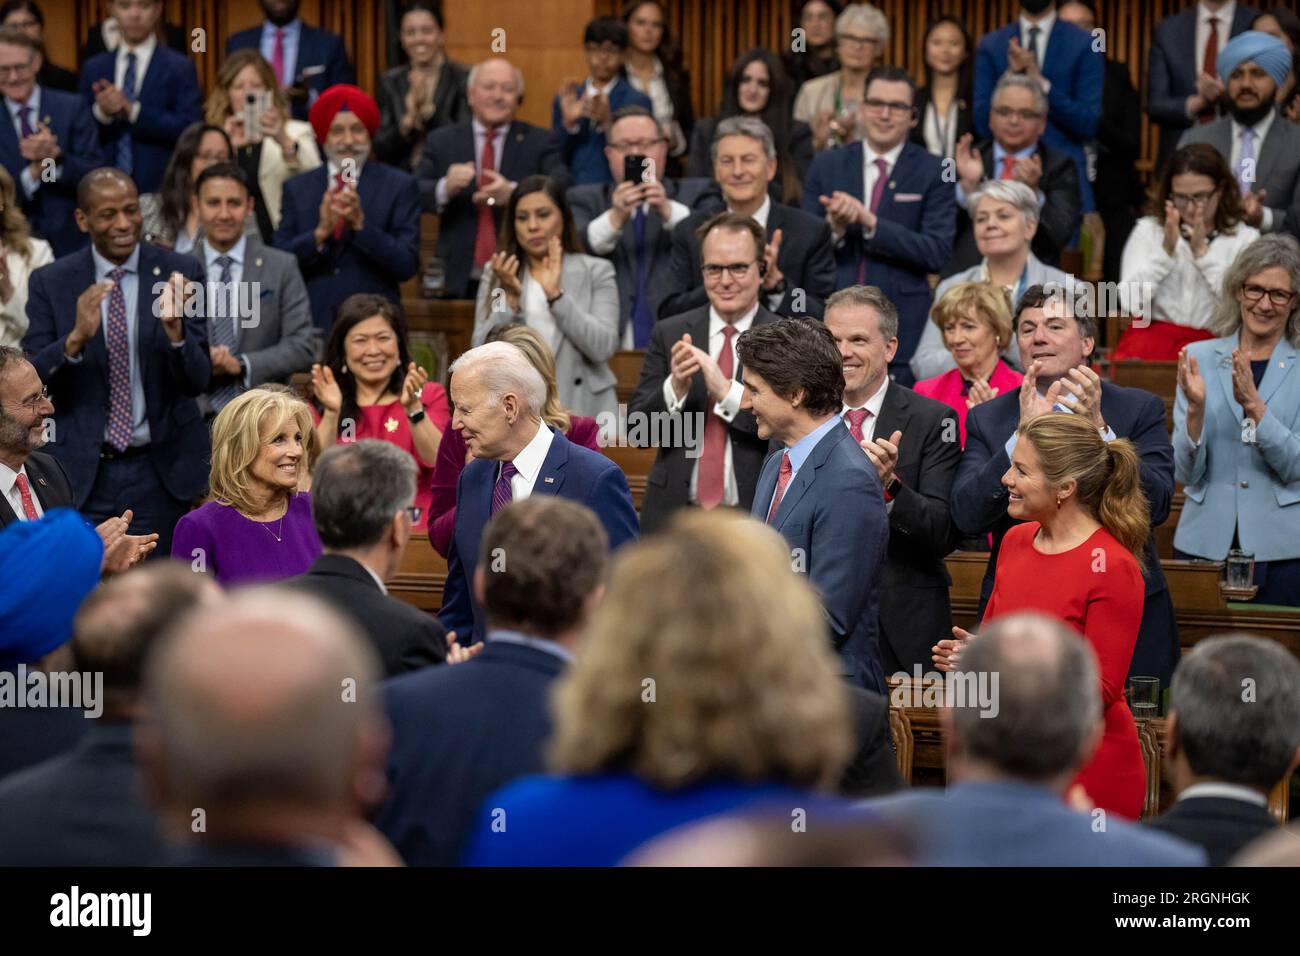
(833, 517)
(173, 377)
(915, 228)
(169, 99)
(459, 733)
(1076, 73)
(319, 51)
(569, 471)
(50, 209)
(384, 254)
(528, 150)
(584, 151)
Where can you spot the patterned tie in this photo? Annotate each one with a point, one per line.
(782, 480)
(221, 330)
(24, 113)
(125, 160)
(119, 366)
(25, 492)
(877, 191)
(1208, 67)
(642, 320)
(502, 493)
(856, 416)
(1008, 167)
(711, 483)
(1246, 165)
(277, 57)
(485, 240)
(341, 225)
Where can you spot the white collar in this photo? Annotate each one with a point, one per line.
(236, 253)
(141, 50)
(1261, 128)
(1044, 25)
(1224, 14)
(740, 325)
(32, 102)
(605, 90)
(762, 212)
(869, 155)
(9, 477)
(528, 463)
(481, 129)
(1224, 791)
(383, 588)
(873, 404)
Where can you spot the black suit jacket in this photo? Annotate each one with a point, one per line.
(873, 771)
(921, 102)
(172, 34)
(806, 259)
(1058, 218)
(449, 107)
(459, 733)
(404, 637)
(914, 607)
(528, 150)
(49, 483)
(799, 144)
(668, 486)
(1220, 824)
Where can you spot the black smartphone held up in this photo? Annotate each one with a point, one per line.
(634, 167)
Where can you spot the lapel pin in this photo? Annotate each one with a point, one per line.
(891, 184)
(157, 271)
(41, 482)
(258, 262)
(549, 481)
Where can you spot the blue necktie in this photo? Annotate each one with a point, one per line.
(222, 331)
(124, 158)
(642, 320)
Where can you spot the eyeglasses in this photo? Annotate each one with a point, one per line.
(640, 146)
(1197, 199)
(33, 403)
(713, 271)
(1007, 112)
(413, 512)
(15, 69)
(859, 41)
(876, 106)
(1253, 293)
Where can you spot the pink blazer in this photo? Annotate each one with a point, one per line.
(946, 388)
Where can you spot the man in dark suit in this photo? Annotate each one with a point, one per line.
(685, 384)
(85, 807)
(516, 455)
(915, 445)
(49, 143)
(143, 95)
(1183, 86)
(1064, 62)
(353, 224)
(1055, 341)
(460, 733)
(122, 346)
(821, 492)
(892, 213)
(360, 502)
(799, 261)
(1018, 153)
(1233, 735)
(306, 60)
(106, 35)
(632, 222)
(466, 175)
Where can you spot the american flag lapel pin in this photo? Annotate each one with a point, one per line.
(548, 480)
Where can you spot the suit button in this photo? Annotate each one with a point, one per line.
(577, 381)
(1245, 484)
(336, 271)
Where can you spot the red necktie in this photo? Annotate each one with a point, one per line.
(25, 491)
(1209, 67)
(877, 191)
(712, 481)
(341, 225)
(277, 57)
(1008, 167)
(485, 240)
(856, 417)
(782, 480)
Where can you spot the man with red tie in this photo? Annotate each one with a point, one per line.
(468, 171)
(690, 373)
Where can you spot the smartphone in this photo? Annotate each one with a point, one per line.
(634, 168)
(255, 104)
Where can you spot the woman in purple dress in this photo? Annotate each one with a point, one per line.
(258, 527)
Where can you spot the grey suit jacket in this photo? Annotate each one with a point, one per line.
(586, 323)
(1277, 169)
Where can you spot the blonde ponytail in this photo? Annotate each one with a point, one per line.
(1123, 509)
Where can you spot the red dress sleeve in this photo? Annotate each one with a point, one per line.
(434, 399)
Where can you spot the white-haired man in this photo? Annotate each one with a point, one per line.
(497, 399)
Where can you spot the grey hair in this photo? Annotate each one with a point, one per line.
(1273, 250)
(873, 297)
(750, 126)
(867, 17)
(505, 369)
(356, 490)
(1226, 733)
(519, 75)
(10, 356)
(1024, 82)
(1047, 698)
(1009, 191)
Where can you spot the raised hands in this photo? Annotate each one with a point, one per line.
(884, 455)
(980, 392)
(121, 550)
(1031, 403)
(969, 165)
(88, 317)
(947, 653)
(772, 276)
(326, 388)
(505, 270)
(413, 388)
(548, 273)
(495, 189)
(1192, 385)
(459, 175)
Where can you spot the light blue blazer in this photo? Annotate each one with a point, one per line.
(1248, 479)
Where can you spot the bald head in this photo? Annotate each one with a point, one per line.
(105, 177)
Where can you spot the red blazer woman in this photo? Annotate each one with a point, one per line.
(950, 388)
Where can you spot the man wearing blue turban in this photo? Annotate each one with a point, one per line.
(1262, 147)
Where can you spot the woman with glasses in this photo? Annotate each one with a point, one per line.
(1175, 258)
(829, 104)
(20, 256)
(171, 215)
(368, 387)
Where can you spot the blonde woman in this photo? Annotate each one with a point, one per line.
(20, 256)
(282, 148)
(258, 525)
(685, 702)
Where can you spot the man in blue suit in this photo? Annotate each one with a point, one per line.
(460, 733)
(143, 95)
(822, 492)
(49, 143)
(306, 60)
(1064, 61)
(353, 224)
(497, 397)
(1017, 730)
(892, 214)
(1055, 341)
(124, 354)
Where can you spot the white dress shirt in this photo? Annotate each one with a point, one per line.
(727, 409)
(29, 182)
(143, 54)
(1261, 130)
(528, 463)
(13, 314)
(1045, 26)
(873, 405)
(379, 582)
(869, 176)
(9, 488)
(1203, 13)
(940, 138)
(1225, 791)
(480, 137)
(290, 37)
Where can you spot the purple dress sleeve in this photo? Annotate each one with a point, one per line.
(584, 431)
(442, 503)
(193, 539)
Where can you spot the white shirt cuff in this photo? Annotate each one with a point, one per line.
(440, 192)
(1266, 223)
(729, 407)
(602, 237)
(670, 397)
(29, 182)
(679, 213)
(135, 111)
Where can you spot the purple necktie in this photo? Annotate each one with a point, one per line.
(24, 122)
(877, 191)
(119, 366)
(502, 493)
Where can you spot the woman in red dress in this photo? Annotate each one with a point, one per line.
(1077, 557)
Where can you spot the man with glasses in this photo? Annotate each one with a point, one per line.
(691, 373)
(1017, 152)
(891, 213)
(47, 145)
(631, 221)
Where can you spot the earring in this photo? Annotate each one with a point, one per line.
(1058, 502)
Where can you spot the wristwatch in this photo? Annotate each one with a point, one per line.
(893, 488)
(558, 295)
(415, 417)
